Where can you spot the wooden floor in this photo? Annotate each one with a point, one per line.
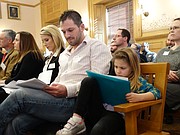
(173, 129)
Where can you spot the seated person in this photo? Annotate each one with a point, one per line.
(137, 48)
(145, 50)
(55, 102)
(52, 40)
(29, 62)
(169, 42)
(102, 119)
(9, 59)
(171, 55)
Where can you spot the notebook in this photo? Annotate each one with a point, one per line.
(112, 88)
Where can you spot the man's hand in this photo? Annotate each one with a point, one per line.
(172, 77)
(56, 90)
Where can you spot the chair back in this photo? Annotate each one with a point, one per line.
(156, 74)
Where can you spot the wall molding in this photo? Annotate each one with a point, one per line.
(21, 4)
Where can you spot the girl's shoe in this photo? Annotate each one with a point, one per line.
(74, 126)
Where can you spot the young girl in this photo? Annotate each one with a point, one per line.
(99, 119)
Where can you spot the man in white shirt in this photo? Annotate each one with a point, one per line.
(56, 102)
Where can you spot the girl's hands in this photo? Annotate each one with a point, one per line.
(133, 97)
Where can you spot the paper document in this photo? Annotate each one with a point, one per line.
(32, 83)
(10, 87)
(112, 88)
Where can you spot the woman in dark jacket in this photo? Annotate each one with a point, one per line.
(29, 63)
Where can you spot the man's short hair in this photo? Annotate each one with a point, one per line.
(73, 15)
(9, 33)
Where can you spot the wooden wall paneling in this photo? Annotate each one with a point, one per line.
(51, 10)
(156, 44)
(99, 23)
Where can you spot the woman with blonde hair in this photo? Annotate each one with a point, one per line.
(52, 39)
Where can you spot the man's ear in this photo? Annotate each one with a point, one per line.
(82, 27)
(10, 40)
(125, 38)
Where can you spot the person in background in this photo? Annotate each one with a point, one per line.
(169, 42)
(29, 62)
(89, 107)
(145, 50)
(51, 38)
(137, 48)
(171, 55)
(7, 37)
(56, 102)
(120, 40)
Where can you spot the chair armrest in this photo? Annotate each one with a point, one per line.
(128, 107)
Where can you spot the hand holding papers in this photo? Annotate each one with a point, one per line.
(112, 88)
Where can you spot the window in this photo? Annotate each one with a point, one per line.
(119, 16)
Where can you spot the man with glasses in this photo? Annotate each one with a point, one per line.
(120, 39)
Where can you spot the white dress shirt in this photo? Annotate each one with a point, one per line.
(91, 54)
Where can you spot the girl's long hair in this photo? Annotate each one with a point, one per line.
(130, 56)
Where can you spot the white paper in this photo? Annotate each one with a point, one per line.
(32, 83)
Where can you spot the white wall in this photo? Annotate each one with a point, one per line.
(161, 14)
(82, 7)
(30, 20)
(31, 16)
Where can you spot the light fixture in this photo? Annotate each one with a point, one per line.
(141, 10)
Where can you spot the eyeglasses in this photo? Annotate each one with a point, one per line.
(174, 28)
(117, 35)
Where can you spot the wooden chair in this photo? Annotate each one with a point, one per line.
(146, 118)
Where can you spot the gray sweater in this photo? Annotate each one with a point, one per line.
(170, 56)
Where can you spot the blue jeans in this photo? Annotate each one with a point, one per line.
(35, 103)
(15, 127)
